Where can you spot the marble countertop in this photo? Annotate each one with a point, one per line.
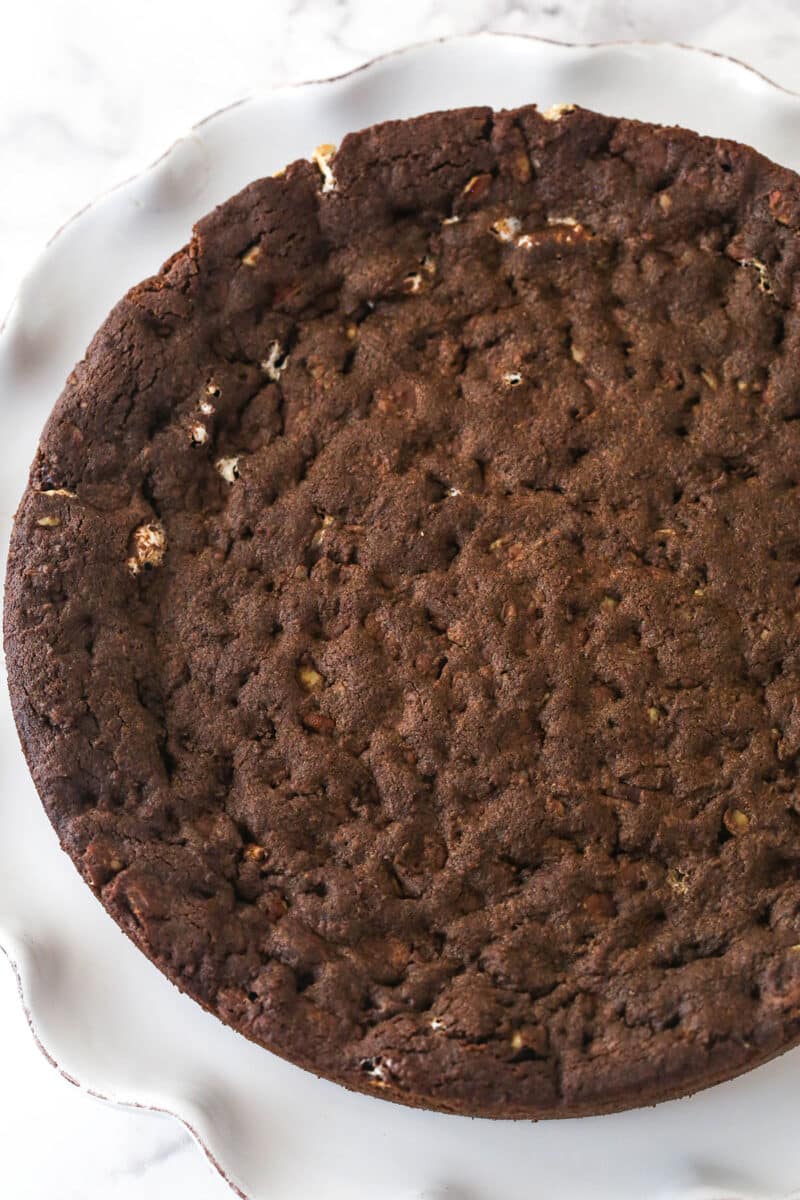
(88, 96)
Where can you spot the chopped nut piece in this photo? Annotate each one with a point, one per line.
(149, 542)
(735, 820)
(322, 157)
(559, 232)
(577, 354)
(318, 537)
(699, 591)
(58, 492)
(212, 389)
(709, 379)
(582, 232)
(496, 544)
(309, 678)
(228, 468)
(653, 714)
(760, 268)
(506, 229)
(666, 532)
(48, 521)
(351, 332)
(677, 880)
(199, 434)
(477, 187)
(609, 602)
(429, 265)
(512, 378)
(254, 852)
(102, 862)
(206, 408)
(521, 167)
(411, 284)
(377, 1071)
(556, 111)
(276, 362)
(665, 202)
(532, 1038)
(251, 255)
(453, 491)
(436, 1024)
(450, 220)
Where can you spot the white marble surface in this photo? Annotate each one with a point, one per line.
(90, 92)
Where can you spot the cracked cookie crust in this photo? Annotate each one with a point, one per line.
(402, 615)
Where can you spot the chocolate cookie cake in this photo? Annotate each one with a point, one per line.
(402, 616)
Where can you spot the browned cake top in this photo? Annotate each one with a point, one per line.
(402, 617)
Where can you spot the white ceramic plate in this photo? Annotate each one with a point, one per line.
(99, 1009)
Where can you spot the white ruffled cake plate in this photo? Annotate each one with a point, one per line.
(100, 1011)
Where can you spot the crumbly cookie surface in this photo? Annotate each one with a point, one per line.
(402, 617)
